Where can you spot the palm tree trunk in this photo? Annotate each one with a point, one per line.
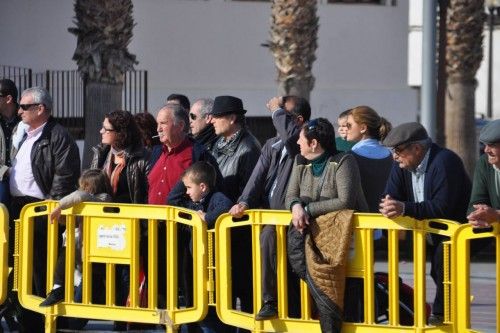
(464, 53)
(100, 99)
(460, 122)
(294, 31)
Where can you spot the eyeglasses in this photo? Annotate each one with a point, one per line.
(399, 149)
(108, 130)
(26, 107)
(193, 116)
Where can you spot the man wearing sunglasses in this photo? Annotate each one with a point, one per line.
(425, 182)
(200, 123)
(45, 165)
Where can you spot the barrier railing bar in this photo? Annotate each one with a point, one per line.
(393, 243)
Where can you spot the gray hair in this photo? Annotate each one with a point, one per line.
(39, 95)
(207, 104)
(180, 114)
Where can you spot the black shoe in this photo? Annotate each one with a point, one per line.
(268, 311)
(436, 320)
(119, 326)
(55, 296)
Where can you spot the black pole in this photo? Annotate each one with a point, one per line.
(489, 112)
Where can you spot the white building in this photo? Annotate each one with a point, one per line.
(213, 47)
(209, 48)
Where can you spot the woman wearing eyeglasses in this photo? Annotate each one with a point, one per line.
(323, 181)
(125, 160)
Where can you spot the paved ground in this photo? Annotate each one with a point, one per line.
(483, 286)
(483, 290)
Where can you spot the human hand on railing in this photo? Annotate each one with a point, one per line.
(483, 216)
(201, 214)
(391, 208)
(238, 210)
(300, 218)
(55, 214)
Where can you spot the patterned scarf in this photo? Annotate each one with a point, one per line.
(115, 165)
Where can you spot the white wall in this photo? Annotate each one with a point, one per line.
(209, 48)
(415, 61)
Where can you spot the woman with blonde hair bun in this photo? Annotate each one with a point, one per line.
(367, 129)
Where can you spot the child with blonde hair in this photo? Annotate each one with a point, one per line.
(94, 186)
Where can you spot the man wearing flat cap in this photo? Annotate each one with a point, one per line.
(484, 205)
(426, 181)
(237, 152)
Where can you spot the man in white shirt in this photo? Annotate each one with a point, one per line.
(45, 165)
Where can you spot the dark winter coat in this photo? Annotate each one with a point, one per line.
(236, 162)
(55, 161)
(137, 169)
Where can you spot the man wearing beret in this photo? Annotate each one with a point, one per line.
(237, 152)
(426, 181)
(484, 205)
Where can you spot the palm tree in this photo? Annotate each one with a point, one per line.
(464, 53)
(294, 30)
(103, 30)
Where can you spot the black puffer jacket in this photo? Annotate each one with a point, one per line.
(137, 169)
(55, 161)
(236, 162)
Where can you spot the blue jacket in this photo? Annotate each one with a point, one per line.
(447, 187)
(214, 205)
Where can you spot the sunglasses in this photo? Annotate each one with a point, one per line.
(193, 116)
(26, 107)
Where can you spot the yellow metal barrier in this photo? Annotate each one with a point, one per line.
(461, 248)
(4, 249)
(361, 265)
(111, 234)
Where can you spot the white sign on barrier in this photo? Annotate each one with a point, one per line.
(111, 237)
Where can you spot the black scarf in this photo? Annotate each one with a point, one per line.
(207, 136)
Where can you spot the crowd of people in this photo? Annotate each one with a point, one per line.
(203, 157)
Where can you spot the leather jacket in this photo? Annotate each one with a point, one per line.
(137, 169)
(237, 160)
(55, 161)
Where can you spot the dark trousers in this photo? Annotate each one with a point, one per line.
(268, 263)
(268, 254)
(437, 274)
(241, 262)
(31, 321)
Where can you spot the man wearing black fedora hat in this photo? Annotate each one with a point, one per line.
(236, 152)
(426, 181)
